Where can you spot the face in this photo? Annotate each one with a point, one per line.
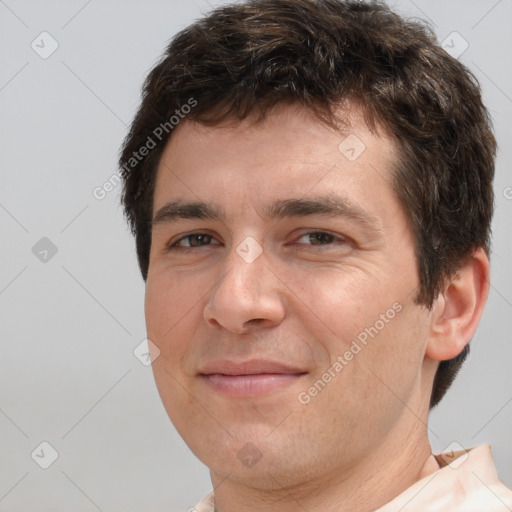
(280, 295)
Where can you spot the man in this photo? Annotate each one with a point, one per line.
(310, 188)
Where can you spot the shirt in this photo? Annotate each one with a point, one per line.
(466, 481)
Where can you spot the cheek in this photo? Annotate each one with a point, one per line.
(169, 305)
(344, 300)
(170, 315)
(168, 297)
(370, 326)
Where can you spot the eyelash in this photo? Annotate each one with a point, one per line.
(175, 247)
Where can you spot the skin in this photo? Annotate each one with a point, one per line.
(362, 439)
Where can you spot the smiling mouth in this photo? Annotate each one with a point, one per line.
(250, 378)
(250, 385)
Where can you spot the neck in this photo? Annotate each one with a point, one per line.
(403, 458)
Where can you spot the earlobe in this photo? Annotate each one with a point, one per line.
(458, 308)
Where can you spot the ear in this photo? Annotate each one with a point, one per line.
(458, 308)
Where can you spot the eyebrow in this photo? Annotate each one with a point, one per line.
(295, 207)
(174, 210)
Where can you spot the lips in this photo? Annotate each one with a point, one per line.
(249, 378)
(253, 367)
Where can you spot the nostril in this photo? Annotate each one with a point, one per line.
(254, 321)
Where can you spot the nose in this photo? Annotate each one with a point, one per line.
(248, 295)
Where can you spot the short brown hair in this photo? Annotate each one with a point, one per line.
(245, 58)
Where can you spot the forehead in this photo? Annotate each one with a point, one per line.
(290, 153)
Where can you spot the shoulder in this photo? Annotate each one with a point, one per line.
(467, 481)
(205, 505)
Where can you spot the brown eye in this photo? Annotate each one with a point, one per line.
(319, 238)
(194, 240)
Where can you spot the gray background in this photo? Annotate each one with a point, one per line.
(69, 324)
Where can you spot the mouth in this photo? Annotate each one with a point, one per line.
(249, 378)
